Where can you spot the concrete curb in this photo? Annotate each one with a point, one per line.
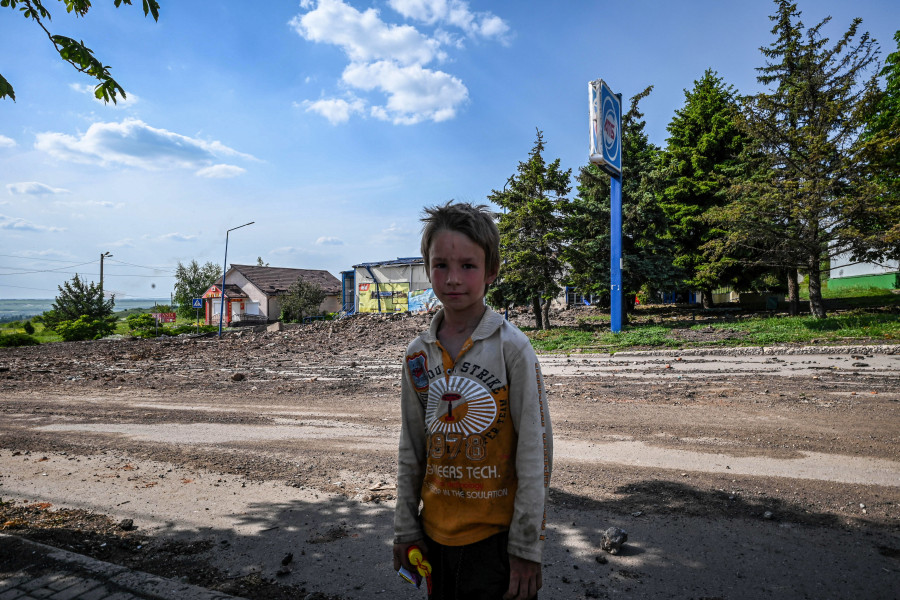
(82, 576)
(889, 349)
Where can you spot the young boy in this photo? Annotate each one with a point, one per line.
(476, 445)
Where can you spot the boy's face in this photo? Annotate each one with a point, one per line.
(458, 273)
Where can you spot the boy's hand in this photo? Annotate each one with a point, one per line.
(401, 555)
(524, 579)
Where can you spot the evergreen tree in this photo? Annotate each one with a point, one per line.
(191, 281)
(808, 195)
(531, 233)
(78, 298)
(882, 149)
(702, 157)
(647, 254)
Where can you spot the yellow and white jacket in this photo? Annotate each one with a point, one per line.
(476, 444)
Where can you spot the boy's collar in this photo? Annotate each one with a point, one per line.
(488, 324)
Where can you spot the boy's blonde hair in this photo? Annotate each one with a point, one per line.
(474, 221)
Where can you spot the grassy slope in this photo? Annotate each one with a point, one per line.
(870, 316)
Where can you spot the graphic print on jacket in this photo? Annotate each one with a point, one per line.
(470, 485)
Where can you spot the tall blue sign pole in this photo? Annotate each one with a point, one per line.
(606, 152)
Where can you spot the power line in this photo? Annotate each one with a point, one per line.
(60, 270)
(35, 258)
(122, 262)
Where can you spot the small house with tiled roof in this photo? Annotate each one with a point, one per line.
(253, 293)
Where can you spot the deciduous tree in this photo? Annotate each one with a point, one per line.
(302, 300)
(191, 281)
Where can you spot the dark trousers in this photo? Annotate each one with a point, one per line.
(479, 571)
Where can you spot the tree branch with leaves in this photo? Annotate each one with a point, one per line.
(73, 51)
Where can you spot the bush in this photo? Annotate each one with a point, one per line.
(29, 328)
(85, 328)
(14, 340)
(140, 322)
(302, 300)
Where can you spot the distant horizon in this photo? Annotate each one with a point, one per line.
(129, 299)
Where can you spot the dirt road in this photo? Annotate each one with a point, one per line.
(753, 474)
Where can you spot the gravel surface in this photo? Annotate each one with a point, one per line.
(746, 473)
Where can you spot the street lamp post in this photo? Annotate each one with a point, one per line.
(224, 269)
(102, 256)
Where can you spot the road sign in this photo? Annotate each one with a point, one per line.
(165, 317)
(197, 303)
(606, 127)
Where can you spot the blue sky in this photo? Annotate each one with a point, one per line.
(330, 123)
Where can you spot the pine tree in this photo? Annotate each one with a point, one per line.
(809, 193)
(700, 161)
(531, 233)
(78, 298)
(882, 151)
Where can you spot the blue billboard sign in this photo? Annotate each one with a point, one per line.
(606, 127)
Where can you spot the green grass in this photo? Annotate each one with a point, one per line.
(44, 335)
(854, 326)
(879, 327)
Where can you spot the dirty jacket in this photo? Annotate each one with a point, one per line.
(476, 445)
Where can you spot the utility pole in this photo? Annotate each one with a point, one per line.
(102, 256)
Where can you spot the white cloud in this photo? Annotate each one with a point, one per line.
(121, 102)
(364, 36)
(179, 237)
(397, 232)
(336, 110)
(221, 171)
(46, 254)
(134, 143)
(414, 93)
(89, 203)
(6, 142)
(329, 241)
(455, 13)
(391, 59)
(123, 243)
(19, 224)
(33, 188)
(289, 251)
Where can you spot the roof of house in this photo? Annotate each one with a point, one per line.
(414, 260)
(276, 280)
(231, 291)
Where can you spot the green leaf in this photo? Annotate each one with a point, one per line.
(152, 6)
(6, 89)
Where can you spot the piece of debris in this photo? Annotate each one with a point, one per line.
(768, 514)
(860, 364)
(126, 525)
(281, 572)
(601, 559)
(238, 377)
(287, 559)
(613, 538)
